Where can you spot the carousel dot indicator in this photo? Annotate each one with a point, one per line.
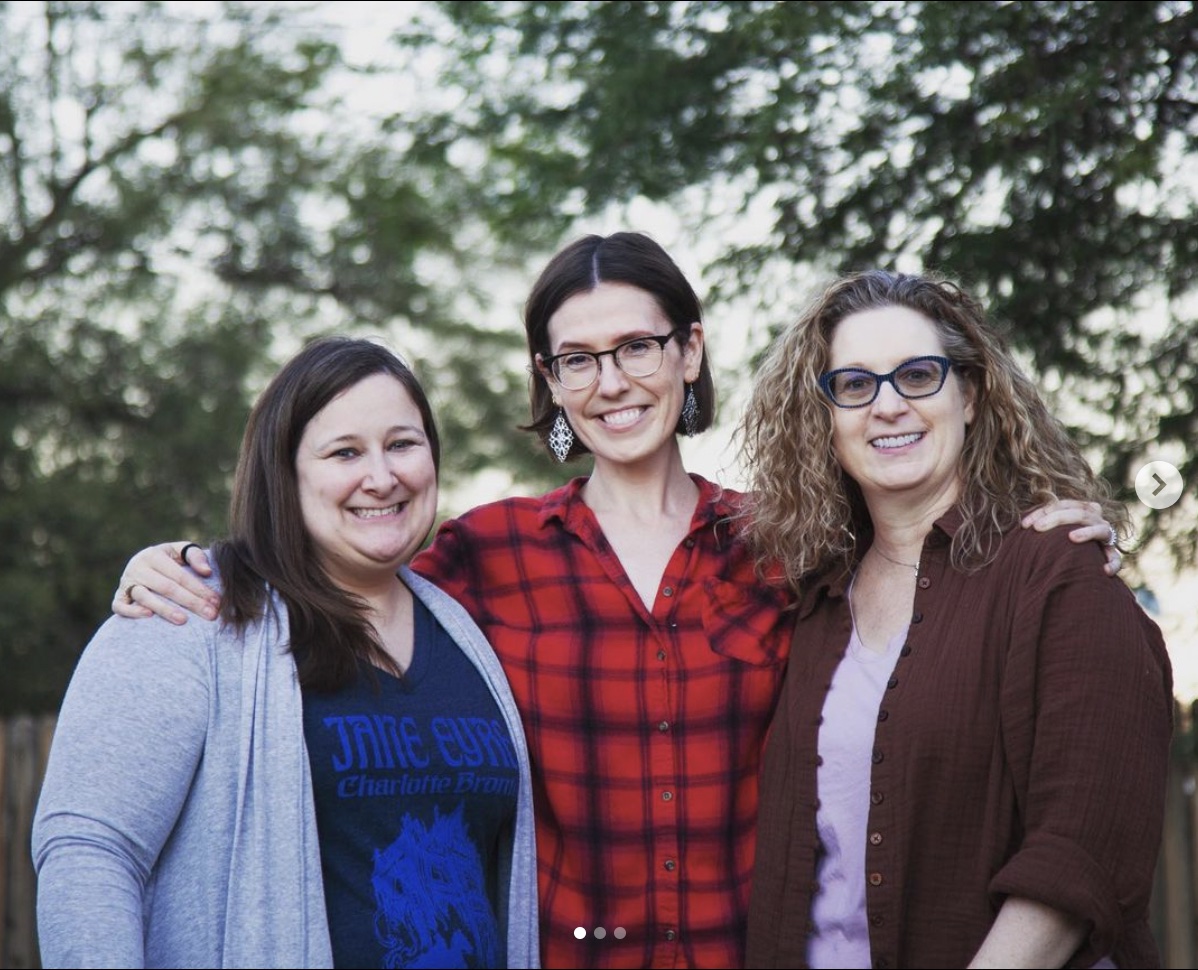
(580, 932)
(620, 933)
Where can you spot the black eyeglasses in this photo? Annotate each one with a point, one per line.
(638, 357)
(852, 387)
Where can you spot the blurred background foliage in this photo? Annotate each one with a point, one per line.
(188, 191)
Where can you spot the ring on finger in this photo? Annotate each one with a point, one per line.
(127, 593)
(186, 549)
(1114, 537)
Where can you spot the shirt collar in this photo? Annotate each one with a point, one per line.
(565, 503)
(833, 583)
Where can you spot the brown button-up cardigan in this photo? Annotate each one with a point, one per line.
(1021, 750)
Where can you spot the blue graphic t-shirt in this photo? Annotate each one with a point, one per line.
(414, 784)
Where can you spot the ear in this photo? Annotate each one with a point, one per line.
(969, 393)
(692, 352)
(544, 371)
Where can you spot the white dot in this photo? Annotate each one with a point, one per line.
(621, 932)
(600, 932)
(579, 932)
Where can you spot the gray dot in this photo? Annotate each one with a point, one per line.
(600, 932)
(621, 932)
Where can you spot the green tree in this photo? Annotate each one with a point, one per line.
(1042, 152)
(182, 201)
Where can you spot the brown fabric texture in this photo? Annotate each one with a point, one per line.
(1021, 749)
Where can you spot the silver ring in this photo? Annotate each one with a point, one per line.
(1114, 539)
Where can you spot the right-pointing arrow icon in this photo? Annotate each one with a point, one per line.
(1159, 484)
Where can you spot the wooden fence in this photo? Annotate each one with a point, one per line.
(25, 743)
(24, 746)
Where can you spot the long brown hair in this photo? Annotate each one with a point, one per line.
(807, 513)
(268, 543)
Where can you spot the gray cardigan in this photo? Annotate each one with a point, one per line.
(176, 825)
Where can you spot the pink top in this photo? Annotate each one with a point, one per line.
(840, 934)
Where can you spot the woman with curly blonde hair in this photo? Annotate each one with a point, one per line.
(967, 762)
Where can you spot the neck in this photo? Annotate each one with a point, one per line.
(384, 593)
(657, 486)
(900, 525)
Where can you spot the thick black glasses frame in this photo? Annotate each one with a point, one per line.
(662, 339)
(825, 381)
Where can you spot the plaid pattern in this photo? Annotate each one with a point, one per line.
(645, 728)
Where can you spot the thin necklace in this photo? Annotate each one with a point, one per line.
(909, 565)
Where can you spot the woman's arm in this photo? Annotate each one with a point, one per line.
(1086, 728)
(129, 736)
(157, 581)
(1029, 934)
(1090, 527)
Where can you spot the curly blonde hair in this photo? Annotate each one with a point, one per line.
(806, 514)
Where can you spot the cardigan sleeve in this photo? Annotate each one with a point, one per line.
(1087, 721)
(129, 737)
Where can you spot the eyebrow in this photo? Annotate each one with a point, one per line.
(905, 360)
(572, 345)
(394, 429)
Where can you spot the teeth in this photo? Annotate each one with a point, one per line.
(626, 416)
(375, 513)
(897, 441)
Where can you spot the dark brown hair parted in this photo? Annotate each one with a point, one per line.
(631, 258)
(267, 542)
(806, 513)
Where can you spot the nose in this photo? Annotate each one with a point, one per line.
(611, 379)
(889, 401)
(379, 475)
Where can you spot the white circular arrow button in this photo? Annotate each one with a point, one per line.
(1158, 484)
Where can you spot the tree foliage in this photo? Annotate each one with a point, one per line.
(1041, 152)
(182, 201)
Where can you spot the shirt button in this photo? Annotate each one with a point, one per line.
(671, 935)
(892, 683)
(906, 650)
(875, 879)
(689, 543)
(668, 591)
(667, 796)
(663, 726)
(876, 797)
(875, 838)
(917, 617)
(670, 865)
(661, 655)
(876, 757)
(876, 920)
(924, 582)
(882, 715)
(882, 963)
(819, 760)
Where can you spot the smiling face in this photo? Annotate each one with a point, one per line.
(896, 446)
(622, 419)
(366, 480)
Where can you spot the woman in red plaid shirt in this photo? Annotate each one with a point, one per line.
(643, 651)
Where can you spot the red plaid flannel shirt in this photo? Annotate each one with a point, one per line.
(645, 728)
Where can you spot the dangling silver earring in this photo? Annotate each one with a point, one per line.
(690, 412)
(561, 436)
